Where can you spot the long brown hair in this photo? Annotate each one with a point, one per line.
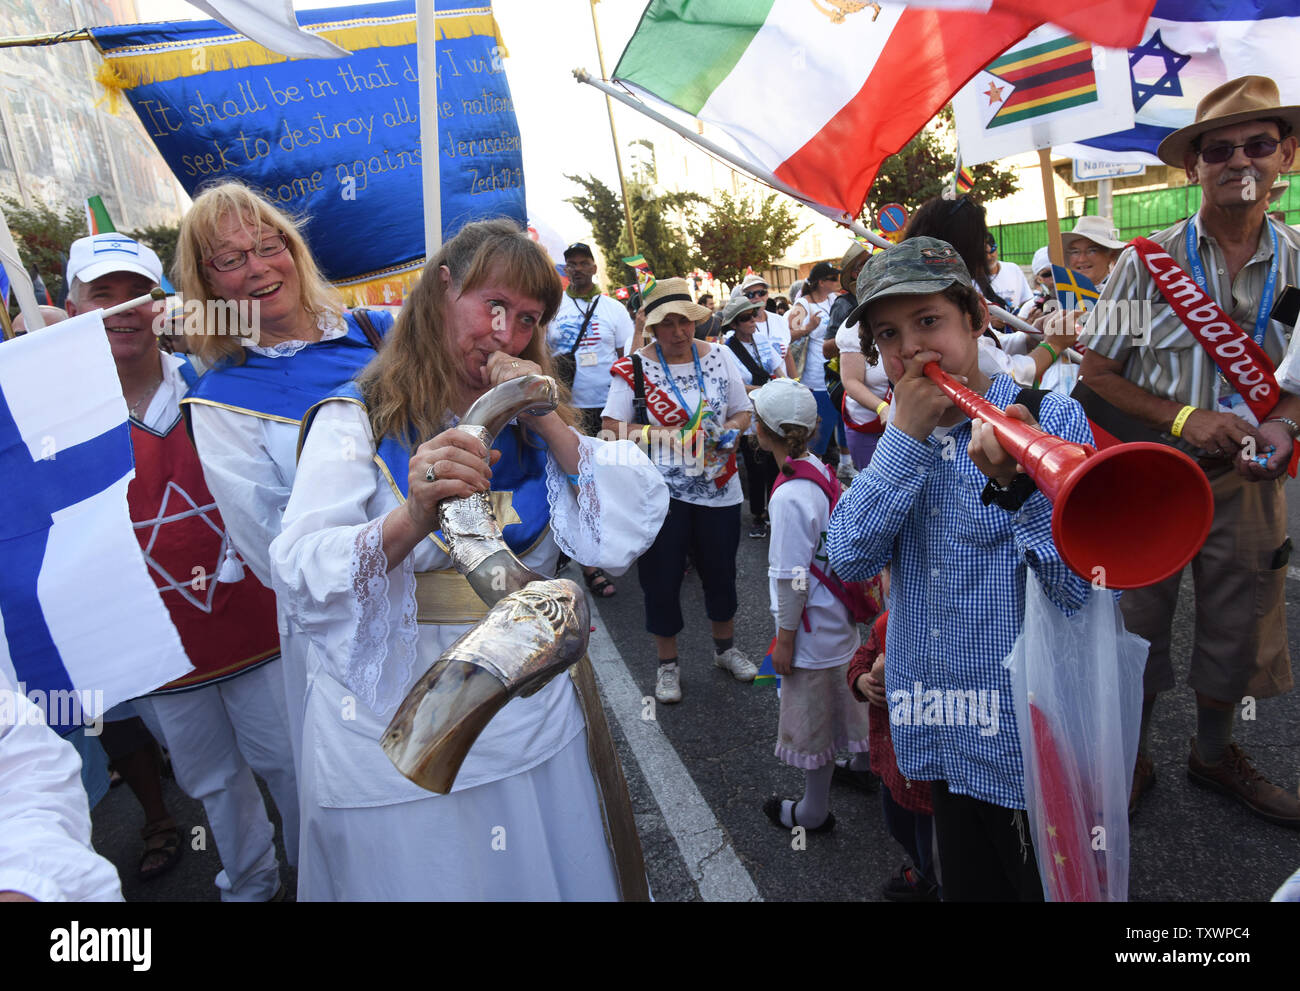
(410, 386)
(198, 236)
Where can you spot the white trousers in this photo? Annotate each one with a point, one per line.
(218, 736)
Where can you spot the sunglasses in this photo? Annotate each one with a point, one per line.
(1254, 148)
(747, 315)
(756, 294)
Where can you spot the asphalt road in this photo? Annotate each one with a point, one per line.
(700, 771)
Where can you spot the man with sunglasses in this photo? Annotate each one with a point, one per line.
(1164, 377)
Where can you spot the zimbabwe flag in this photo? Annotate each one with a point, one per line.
(1045, 78)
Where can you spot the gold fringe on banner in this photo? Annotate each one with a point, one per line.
(387, 288)
(144, 64)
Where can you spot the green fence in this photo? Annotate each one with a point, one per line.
(1135, 213)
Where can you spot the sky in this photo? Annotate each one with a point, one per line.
(563, 124)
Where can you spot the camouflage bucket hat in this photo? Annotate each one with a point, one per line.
(916, 267)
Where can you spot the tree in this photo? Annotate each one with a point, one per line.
(162, 238)
(43, 237)
(658, 219)
(737, 234)
(924, 167)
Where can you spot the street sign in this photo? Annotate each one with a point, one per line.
(1087, 168)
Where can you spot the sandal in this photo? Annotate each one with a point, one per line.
(162, 848)
(599, 584)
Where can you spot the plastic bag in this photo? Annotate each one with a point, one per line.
(1077, 683)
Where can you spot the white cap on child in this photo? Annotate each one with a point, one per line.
(783, 401)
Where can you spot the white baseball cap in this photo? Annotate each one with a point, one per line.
(782, 401)
(101, 254)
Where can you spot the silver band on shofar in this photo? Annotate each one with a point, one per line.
(536, 628)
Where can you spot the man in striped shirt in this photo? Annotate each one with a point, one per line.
(1158, 374)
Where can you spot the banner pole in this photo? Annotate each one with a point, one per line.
(40, 40)
(1049, 201)
(618, 158)
(426, 49)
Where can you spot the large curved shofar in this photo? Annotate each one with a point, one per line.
(537, 627)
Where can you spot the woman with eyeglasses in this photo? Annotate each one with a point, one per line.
(277, 339)
(760, 361)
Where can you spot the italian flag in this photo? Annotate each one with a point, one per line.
(820, 93)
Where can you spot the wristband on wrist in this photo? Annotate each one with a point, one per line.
(1050, 350)
(880, 410)
(1292, 427)
(645, 435)
(1181, 420)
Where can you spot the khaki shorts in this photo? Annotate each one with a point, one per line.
(1240, 645)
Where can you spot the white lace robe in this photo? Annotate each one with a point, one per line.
(364, 649)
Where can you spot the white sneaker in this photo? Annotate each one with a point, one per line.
(668, 686)
(740, 666)
(846, 472)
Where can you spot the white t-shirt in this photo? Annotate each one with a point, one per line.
(763, 350)
(1010, 283)
(610, 330)
(799, 512)
(814, 369)
(774, 326)
(724, 393)
(848, 340)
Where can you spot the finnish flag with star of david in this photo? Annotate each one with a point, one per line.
(1189, 48)
(79, 614)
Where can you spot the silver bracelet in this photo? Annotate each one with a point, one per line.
(1292, 427)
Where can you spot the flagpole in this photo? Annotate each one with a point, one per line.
(769, 179)
(618, 158)
(426, 57)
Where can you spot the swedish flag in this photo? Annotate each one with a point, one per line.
(1073, 290)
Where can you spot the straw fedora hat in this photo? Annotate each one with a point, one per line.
(672, 296)
(856, 251)
(1098, 230)
(1235, 102)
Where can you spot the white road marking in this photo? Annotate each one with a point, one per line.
(705, 845)
(1293, 573)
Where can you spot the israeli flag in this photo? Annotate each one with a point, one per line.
(1189, 48)
(82, 626)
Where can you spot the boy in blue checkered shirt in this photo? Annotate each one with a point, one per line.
(961, 526)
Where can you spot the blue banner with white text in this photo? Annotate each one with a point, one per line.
(334, 140)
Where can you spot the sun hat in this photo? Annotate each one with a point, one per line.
(1098, 230)
(735, 307)
(672, 296)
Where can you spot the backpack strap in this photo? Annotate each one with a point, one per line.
(1031, 399)
(368, 328)
(639, 414)
(756, 371)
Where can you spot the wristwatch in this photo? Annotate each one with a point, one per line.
(1013, 496)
